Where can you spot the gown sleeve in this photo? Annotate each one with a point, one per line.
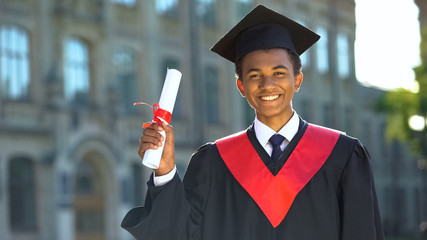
(360, 216)
(173, 211)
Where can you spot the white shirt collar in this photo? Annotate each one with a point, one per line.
(263, 132)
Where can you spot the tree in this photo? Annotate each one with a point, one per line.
(400, 104)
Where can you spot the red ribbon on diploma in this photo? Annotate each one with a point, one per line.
(159, 114)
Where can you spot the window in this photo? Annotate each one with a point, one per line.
(89, 202)
(211, 93)
(76, 71)
(305, 59)
(172, 63)
(15, 66)
(167, 7)
(128, 3)
(327, 114)
(306, 55)
(22, 201)
(125, 68)
(207, 11)
(85, 183)
(305, 109)
(244, 7)
(348, 120)
(343, 55)
(322, 51)
(366, 134)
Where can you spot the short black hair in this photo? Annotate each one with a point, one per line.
(295, 60)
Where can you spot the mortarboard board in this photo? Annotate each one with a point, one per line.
(264, 28)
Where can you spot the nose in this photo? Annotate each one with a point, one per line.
(267, 82)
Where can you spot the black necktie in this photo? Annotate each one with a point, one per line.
(276, 140)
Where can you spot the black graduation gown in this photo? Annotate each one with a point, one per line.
(339, 202)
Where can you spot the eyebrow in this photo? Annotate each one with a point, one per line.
(279, 67)
(274, 68)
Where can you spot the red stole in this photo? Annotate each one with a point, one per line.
(275, 194)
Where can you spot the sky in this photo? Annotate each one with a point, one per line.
(387, 43)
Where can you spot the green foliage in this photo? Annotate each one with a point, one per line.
(421, 76)
(398, 105)
(421, 72)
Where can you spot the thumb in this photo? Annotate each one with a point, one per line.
(169, 132)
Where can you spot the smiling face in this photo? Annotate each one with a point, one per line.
(268, 83)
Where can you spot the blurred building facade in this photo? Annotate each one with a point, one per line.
(71, 70)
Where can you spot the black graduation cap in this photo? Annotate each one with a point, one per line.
(264, 28)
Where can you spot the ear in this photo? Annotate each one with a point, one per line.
(298, 81)
(239, 84)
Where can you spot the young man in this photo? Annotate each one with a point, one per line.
(282, 178)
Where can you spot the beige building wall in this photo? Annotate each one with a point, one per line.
(97, 139)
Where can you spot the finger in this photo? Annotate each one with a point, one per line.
(144, 147)
(156, 140)
(154, 126)
(169, 132)
(167, 127)
(152, 133)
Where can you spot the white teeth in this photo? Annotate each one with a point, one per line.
(269, 98)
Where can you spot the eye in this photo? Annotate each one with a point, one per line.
(279, 73)
(255, 75)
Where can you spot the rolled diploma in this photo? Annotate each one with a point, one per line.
(167, 102)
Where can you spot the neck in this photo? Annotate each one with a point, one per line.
(277, 122)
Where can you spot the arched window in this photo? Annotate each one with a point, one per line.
(343, 58)
(22, 201)
(89, 201)
(76, 70)
(305, 57)
(167, 7)
(125, 69)
(129, 3)
(15, 66)
(322, 51)
(85, 182)
(206, 9)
